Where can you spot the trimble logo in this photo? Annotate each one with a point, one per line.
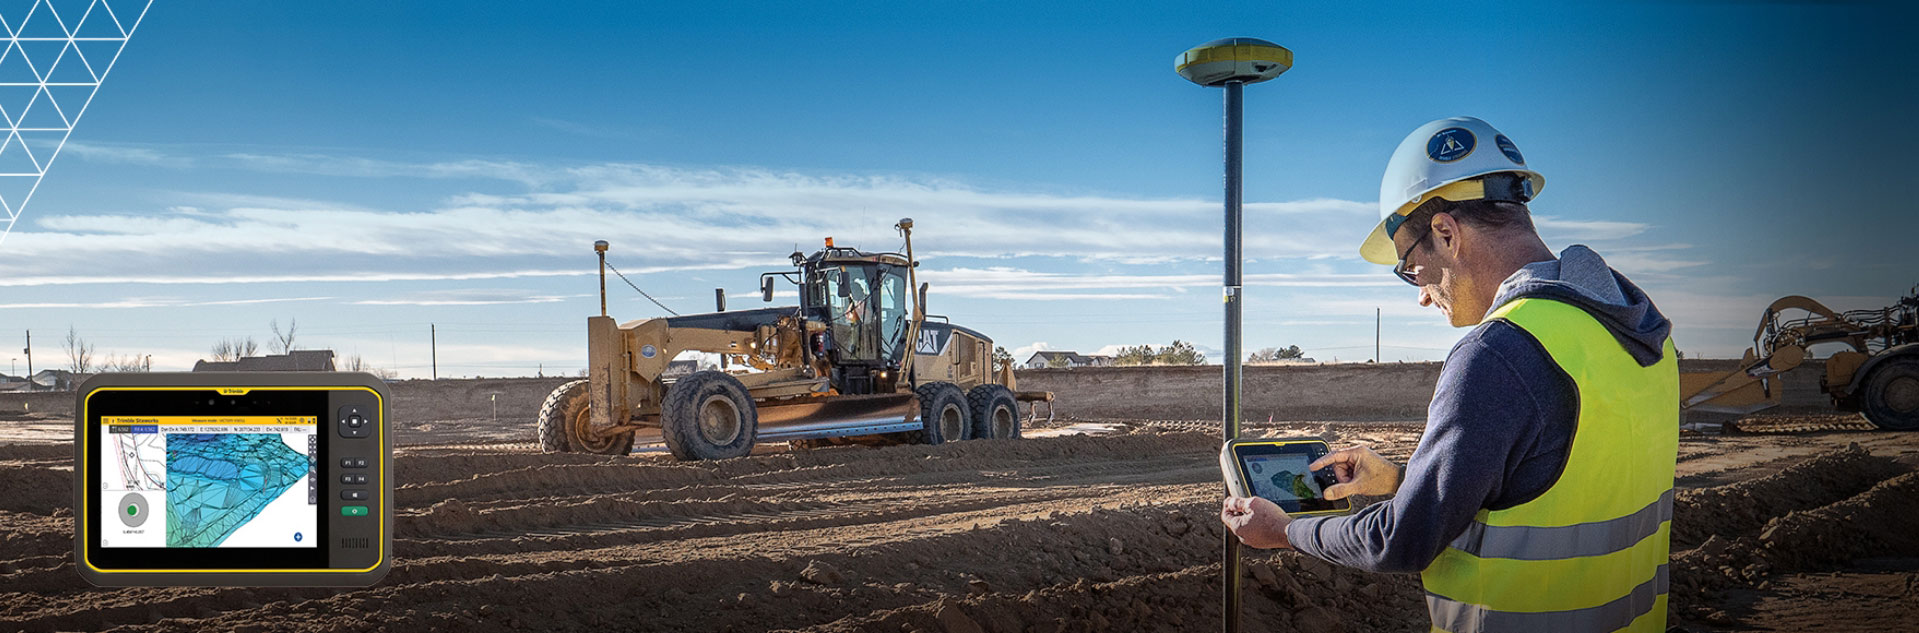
(234, 391)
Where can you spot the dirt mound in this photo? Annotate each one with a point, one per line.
(1882, 521)
(36, 452)
(36, 489)
(1741, 508)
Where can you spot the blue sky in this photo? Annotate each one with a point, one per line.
(371, 168)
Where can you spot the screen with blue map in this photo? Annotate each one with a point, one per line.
(212, 481)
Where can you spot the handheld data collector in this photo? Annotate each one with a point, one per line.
(1276, 469)
(233, 479)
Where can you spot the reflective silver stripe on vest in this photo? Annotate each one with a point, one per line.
(1570, 541)
(1461, 617)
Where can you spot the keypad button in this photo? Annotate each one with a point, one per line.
(353, 495)
(353, 511)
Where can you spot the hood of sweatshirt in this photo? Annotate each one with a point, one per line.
(1581, 278)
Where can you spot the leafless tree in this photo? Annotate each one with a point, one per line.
(282, 342)
(115, 362)
(355, 363)
(232, 349)
(79, 352)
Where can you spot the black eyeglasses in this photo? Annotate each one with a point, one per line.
(1409, 276)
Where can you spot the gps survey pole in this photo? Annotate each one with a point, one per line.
(1232, 63)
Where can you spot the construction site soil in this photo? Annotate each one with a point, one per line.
(1802, 522)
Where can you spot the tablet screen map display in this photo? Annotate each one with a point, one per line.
(209, 481)
(1281, 477)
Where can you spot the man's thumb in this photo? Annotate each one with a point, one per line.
(1340, 491)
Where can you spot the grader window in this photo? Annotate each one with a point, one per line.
(893, 314)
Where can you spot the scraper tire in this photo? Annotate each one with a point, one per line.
(1892, 395)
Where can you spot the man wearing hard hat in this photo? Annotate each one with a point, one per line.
(1540, 497)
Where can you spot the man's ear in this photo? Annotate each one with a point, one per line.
(1446, 232)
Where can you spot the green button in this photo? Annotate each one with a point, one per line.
(352, 511)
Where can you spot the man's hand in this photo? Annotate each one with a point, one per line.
(1256, 521)
(1360, 471)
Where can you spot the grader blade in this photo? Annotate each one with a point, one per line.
(842, 415)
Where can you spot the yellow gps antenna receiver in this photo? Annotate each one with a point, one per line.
(1232, 63)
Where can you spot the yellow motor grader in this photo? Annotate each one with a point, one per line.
(1878, 375)
(858, 358)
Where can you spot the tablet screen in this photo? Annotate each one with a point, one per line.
(200, 481)
(1278, 472)
(1282, 477)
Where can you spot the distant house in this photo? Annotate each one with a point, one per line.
(1045, 359)
(43, 380)
(296, 360)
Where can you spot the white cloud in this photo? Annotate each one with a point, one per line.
(727, 218)
(1556, 229)
(468, 297)
(1023, 352)
(154, 302)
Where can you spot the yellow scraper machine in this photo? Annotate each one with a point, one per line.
(1878, 374)
(858, 360)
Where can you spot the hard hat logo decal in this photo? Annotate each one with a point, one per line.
(1451, 144)
(648, 351)
(1511, 151)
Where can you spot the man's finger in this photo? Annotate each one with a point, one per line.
(1336, 492)
(1348, 455)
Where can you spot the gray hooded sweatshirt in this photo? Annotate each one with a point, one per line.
(1500, 425)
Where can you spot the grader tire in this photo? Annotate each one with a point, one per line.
(943, 413)
(995, 412)
(1892, 395)
(550, 425)
(564, 418)
(709, 415)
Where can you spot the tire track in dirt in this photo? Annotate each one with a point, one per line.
(778, 486)
(797, 467)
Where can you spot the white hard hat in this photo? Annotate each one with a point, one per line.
(1446, 159)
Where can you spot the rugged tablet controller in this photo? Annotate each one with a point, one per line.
(232, 478)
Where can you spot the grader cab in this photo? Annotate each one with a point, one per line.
(857, 359)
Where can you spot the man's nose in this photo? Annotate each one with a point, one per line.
(1425, 296)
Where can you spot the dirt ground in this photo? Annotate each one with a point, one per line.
(1804, 522)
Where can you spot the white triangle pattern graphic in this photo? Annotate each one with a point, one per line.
(102, 28)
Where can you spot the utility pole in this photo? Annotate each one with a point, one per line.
(31, 385)
(1376, 356)
(1232, 63)
(433, 343)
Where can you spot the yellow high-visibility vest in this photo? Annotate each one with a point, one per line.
(1589, 554)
